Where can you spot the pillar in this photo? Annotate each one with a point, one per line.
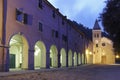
(47, 59)
(59, 64)
(31, 59)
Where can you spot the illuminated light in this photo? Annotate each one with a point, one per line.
(21, 58)
(117, 56)
(87, 51)
(96, 41)
(90, 53)
(37, 51)
(50, 51)
(103, 54)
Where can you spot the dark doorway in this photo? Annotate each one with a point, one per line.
(12, 60)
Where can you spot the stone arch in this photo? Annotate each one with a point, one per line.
(53, 56)
(70, 58)
(18, 52)
(75, 59)
(83, 58)
(79, 59)
(63, 57)
(39, 55)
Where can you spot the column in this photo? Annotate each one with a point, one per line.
(31, 59)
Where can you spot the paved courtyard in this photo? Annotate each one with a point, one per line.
(83, 72)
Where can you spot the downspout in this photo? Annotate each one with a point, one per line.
(3, 40)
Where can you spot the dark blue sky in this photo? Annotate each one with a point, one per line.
(82, 11)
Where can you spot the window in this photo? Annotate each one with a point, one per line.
(64, 38)
(55, 34)
(53, 14)
(21, 17)
(97, 35)
(96, 45)
(103, 44)
(40, 27)
(40, 4)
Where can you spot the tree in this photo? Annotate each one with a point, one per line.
(110, 18)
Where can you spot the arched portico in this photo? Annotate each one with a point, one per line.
(63, 57)
(79, 59)
(75, 59)
(70, 58)
(53, 56)
(18, 52)
(39, 55)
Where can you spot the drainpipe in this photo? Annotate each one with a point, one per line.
(4, 12)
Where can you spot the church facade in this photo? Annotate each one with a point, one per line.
(103, 51)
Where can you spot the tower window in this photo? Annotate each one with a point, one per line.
(97, 35)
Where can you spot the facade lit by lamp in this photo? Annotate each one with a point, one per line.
(102, 47)
(103, 54)
(87, 51)
(90, 53)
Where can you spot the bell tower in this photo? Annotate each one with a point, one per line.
(96, 37)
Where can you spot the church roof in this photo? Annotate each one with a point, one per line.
(96, 26)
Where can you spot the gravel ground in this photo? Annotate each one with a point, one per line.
(88, 72)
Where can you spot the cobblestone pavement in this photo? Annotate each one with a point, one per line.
(87, 72)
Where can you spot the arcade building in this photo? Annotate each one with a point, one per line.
(35, 35)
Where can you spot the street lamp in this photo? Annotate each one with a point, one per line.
(117, 56)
